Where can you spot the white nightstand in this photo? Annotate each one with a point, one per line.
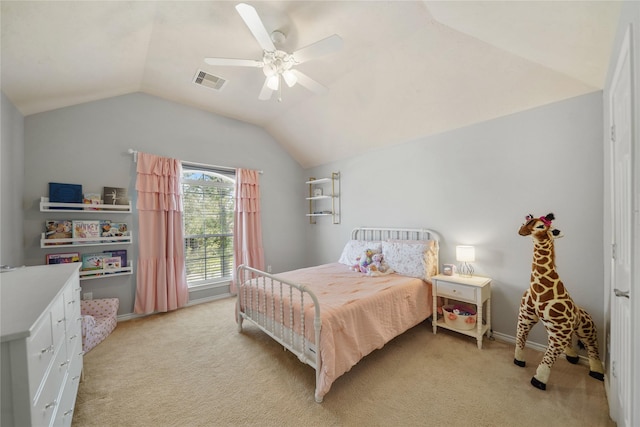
(475, 290)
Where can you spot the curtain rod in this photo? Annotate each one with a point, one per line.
(135, 159)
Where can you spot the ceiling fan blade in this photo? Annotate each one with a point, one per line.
(266, 92)
(234, 62)
(309, 83)
(253, 21)
(320, 48)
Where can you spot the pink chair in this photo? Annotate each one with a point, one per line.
(98, 320)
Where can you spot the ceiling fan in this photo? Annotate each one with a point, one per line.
(277, 65)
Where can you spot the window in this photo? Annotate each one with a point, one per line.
(209, 198)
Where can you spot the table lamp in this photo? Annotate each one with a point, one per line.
(465, 255)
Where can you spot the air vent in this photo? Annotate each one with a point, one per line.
(209, 80)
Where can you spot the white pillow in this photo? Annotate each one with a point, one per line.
(355, 248)
(413, 258)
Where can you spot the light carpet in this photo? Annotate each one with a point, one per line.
(192, 367)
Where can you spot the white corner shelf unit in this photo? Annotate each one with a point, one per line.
(83, 209)
(324, 197)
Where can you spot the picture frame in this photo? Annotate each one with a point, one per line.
(448, 269)
(115, 196)
(317, 192)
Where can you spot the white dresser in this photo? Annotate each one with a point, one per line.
(41, 357)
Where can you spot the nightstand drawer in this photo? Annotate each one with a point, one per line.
(453, 290)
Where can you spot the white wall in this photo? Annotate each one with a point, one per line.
(475, 185)
(87, 144)
(12, 182)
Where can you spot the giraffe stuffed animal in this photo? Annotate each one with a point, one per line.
(547, 300)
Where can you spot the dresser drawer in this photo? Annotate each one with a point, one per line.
(40, 353)
(454, 290)
(58, 322)
(48, 399)
(71, 306)
(64, 415)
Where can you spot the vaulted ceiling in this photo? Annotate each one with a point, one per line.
(407, 69)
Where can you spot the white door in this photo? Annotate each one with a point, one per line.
(622, 215)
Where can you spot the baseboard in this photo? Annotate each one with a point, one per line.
(533, 345)
(131, 316)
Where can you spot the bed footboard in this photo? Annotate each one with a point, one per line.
(273, 305)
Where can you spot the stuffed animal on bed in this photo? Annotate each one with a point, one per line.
(379, 264)
(363, 261)
(371, 263)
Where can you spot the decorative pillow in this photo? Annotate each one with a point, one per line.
(354, 248)
(413, 258)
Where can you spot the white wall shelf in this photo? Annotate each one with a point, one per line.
(47, 206)
(84, 241)
(83, 209)
(103, 274)
(329, 189)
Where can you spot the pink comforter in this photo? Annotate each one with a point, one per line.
(359, 313)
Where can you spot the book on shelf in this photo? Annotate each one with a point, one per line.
(92, 199)
(93, 261)
(122, 253)
(86, 229)
(113, 229)
(115, 196)
(65, 193)
(111, 263)
(58, 229)
(63, 258)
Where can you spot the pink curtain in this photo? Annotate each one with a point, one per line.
(161, 278)
(247, 234)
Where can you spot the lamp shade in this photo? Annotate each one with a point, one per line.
(273, 82)
(465, 253)
(289, 78)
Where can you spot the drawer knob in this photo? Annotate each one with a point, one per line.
(73, 337)
(66, 362)
(46, 349)
(69, 412)
(50, 405)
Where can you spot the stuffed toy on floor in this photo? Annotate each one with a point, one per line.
(547, 300)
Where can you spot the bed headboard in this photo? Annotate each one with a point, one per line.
(382, 233)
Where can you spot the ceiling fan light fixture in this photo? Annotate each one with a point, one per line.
(277, 64)
(289, 78)
(278, 37)
(269, 69)
(273, 82)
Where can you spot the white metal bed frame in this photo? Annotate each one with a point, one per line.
(274, 325)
